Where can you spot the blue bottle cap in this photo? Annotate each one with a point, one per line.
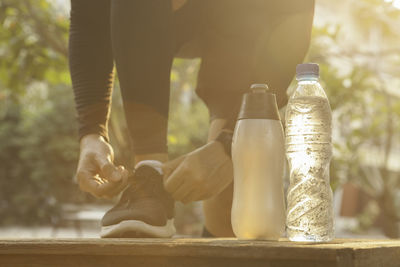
(307, 69)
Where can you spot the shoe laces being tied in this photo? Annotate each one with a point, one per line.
(144, 181)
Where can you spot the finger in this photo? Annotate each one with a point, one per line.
(190, 197)
(203, 196)
(175, 180)
(98, 179)
(113, 188)
(106, 189)
(89, 183)
(182, 191)
(108, 170)
(118, 187)
(170, 166)
(124, 175)
(205, 193)
(223, 177)
(117, 174)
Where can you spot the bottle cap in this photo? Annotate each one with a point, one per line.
(259, 86)
(307, 69)
(259, 103)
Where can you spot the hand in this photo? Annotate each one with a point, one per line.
(199, 175)
(96, 173)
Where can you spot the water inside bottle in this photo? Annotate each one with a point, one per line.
(308, 149)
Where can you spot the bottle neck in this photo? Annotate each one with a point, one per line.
(308, 85)
(307, 79)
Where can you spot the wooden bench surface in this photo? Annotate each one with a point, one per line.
(197, 252)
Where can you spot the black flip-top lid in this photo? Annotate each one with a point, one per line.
(259, 103)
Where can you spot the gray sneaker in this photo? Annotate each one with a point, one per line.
(144, 210)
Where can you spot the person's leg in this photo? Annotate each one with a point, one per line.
(142, 41)
(270, 56)
(190, 22)
(217, 210)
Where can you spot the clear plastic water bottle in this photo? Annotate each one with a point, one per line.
(309, 151)
(258, 154)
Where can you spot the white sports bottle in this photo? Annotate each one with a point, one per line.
(258, 209)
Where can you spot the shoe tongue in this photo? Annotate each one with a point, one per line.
(155, 164)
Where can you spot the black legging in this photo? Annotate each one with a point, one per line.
(232, 37)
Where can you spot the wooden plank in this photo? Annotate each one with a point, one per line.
(168, 247)
(196, 252)
(125, 261)
(387, 256)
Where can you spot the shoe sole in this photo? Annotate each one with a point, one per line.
(138, 229)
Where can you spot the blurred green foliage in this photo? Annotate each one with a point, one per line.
(38, 148)
(38, 141)
(359, 59)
